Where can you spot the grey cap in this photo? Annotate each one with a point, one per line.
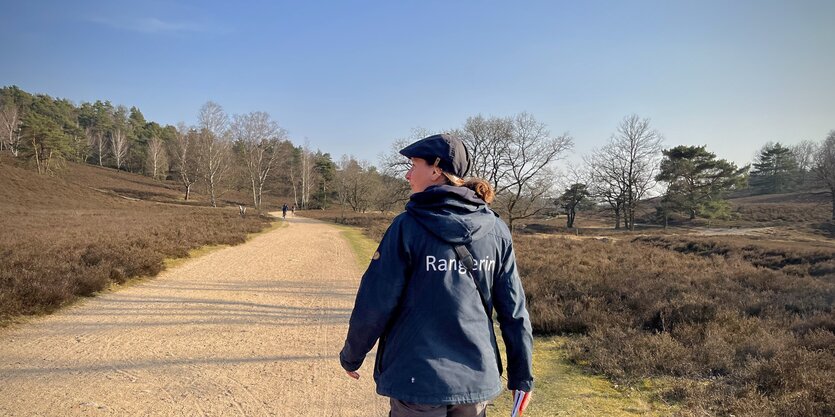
(447, 151)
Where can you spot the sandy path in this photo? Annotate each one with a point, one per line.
(251, 330)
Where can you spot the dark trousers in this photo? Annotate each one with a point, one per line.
(404, 409)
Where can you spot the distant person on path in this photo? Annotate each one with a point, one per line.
(294, 210)
(284, 211)
(429, 292)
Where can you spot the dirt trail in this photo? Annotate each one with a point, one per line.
(250, 330)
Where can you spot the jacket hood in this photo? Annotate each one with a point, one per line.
(454, 214)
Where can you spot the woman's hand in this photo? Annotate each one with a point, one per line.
(353, 374)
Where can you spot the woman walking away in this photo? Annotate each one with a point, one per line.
(429, 293)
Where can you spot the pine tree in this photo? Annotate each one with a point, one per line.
(697, 179)
(774, 170)
(574, 198)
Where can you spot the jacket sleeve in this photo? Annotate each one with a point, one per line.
(377, 298)
(509, 302)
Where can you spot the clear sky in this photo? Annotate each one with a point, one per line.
(352, 76)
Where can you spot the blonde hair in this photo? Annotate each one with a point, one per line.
(481, 187)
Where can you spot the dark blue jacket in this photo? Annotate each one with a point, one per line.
(436, 342)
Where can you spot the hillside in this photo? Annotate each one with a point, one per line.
(73, 235)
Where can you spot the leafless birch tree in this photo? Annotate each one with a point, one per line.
(306, 173)
(119, 137)
(10, 118)
(184, 156)
(213, 147)
(257, 138)
(157, 162)
(118, 146)
(98, 142)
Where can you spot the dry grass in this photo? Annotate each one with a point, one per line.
(62, 240)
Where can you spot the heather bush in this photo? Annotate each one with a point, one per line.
(792, 258)
(732, 326)
(646, 309)
(776, 213)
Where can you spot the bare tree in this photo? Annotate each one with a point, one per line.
(390, 193)
(98, 126)
(395, 189)
(157, 160)
(118, 146)
(184, 158)
(306, 173)
(489, 142)
(341, 183)
(10, 119)
(804, 155)
(213, 147)
(606, 180)
(356, 183)
(98, 142)
(516, 155)
(257, 138)
(624, 170)
(527, 168)
(824, 167)
(119, 137)
(394, 164)
(294, 179)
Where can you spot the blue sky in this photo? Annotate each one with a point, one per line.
(351, 77)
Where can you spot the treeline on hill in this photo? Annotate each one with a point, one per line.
(517, 155)
(248, 152)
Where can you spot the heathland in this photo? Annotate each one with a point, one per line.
(74, 235)
(731, 318)
(711, 317)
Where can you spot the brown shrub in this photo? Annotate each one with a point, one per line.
(792, 258)
(646, 310)
(776, 213)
